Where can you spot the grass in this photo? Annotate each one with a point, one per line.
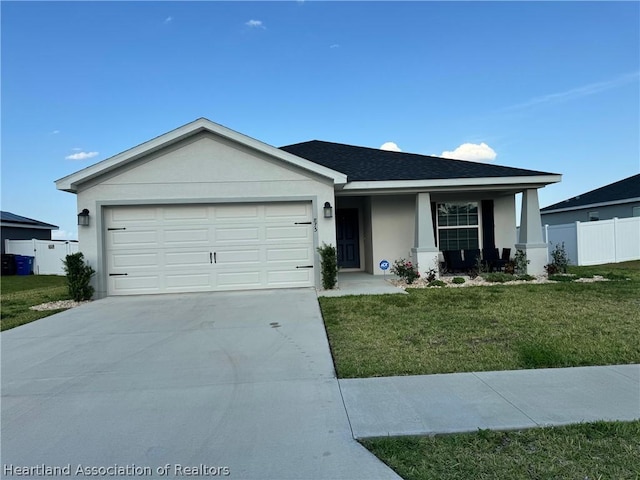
(18, 293)
(601, 450)
(488, 328)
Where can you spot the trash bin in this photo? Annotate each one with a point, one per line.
(24, 264)
(8, 264)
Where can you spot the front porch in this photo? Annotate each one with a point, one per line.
(420, 226)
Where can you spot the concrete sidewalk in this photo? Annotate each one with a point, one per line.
(464, 402)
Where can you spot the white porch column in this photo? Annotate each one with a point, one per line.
(530, 240)
(424, 253)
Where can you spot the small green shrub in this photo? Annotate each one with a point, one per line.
(498, 277)
(560, 258)
(406, 270)
(329, 268)
(78, 277)
(521, 262)
(458, 280)
(437, 283)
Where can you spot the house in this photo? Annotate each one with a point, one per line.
(16, 227)
(204, 208)
(620, 199)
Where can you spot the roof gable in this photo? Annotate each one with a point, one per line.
(625, 189)
(371, 164)
(71, 183)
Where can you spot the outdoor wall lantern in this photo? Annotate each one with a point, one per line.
(328, 210)
(83, 218)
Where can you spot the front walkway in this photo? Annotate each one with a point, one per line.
(466, 402)
(361, 283)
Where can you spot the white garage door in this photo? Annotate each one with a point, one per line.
(191, 248)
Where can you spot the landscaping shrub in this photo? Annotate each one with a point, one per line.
(78, 277)
(437, 283)
(406, 270)
(498, 277)
(521, 262)
(559, 262)
(329, 269)
(458, 280)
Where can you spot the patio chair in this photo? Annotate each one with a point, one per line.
(491, 259)
(453, 260)
(471, 257)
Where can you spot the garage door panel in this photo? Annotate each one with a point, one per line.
(295, 233)
(293, 254)
(237, 234)
(186, 237)
(127, 238)
(135, 259)
(188, 281)
(185, 258)
(284, 211)
(135, 284)
(238, 257)
(186, 214)
(249, 279)
(133, 214)
(209, 247)
(290, 278)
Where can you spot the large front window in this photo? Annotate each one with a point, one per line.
(458, 226)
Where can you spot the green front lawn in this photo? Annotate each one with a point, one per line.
(18, 293)
(601, 450)
(488, 328)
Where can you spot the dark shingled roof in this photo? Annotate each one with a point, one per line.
(372, 164)
(13, 218)
(620, 190)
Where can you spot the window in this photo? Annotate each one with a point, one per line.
(458, 226)
(594, 216)
(635, 212)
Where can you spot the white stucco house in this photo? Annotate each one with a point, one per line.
(205, 208)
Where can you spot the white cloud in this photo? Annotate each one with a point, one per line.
(55, 132)
(77, 149)
(473, 152)
(390, 146)
(81, 156)
(255, 24)
(167, 20)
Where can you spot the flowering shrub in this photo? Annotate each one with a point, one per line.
(406, 270)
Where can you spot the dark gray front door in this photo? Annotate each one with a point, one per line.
(347, 238)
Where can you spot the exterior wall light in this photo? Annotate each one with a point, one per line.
(328, 210)
(83, 218)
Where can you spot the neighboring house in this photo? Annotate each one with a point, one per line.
(15, 227)
(619, 199)
(205, 208)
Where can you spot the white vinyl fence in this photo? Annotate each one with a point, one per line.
(48, 253)
(594, 243)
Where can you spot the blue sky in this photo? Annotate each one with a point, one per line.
(551, 86)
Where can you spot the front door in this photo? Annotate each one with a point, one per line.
(347, 238)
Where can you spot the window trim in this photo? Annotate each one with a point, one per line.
(477, 226)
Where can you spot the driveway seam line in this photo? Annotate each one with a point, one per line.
(346, 410)
(505, 398)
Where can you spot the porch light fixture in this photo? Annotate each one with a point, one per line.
(83, 218)
(328, 210)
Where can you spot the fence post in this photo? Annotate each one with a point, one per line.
(578, 248)
(546, 239)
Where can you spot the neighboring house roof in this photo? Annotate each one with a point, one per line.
(372, 164)
(70, 183)
(9, 219)
(622, 191)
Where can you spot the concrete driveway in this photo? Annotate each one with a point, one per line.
(236, 385)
